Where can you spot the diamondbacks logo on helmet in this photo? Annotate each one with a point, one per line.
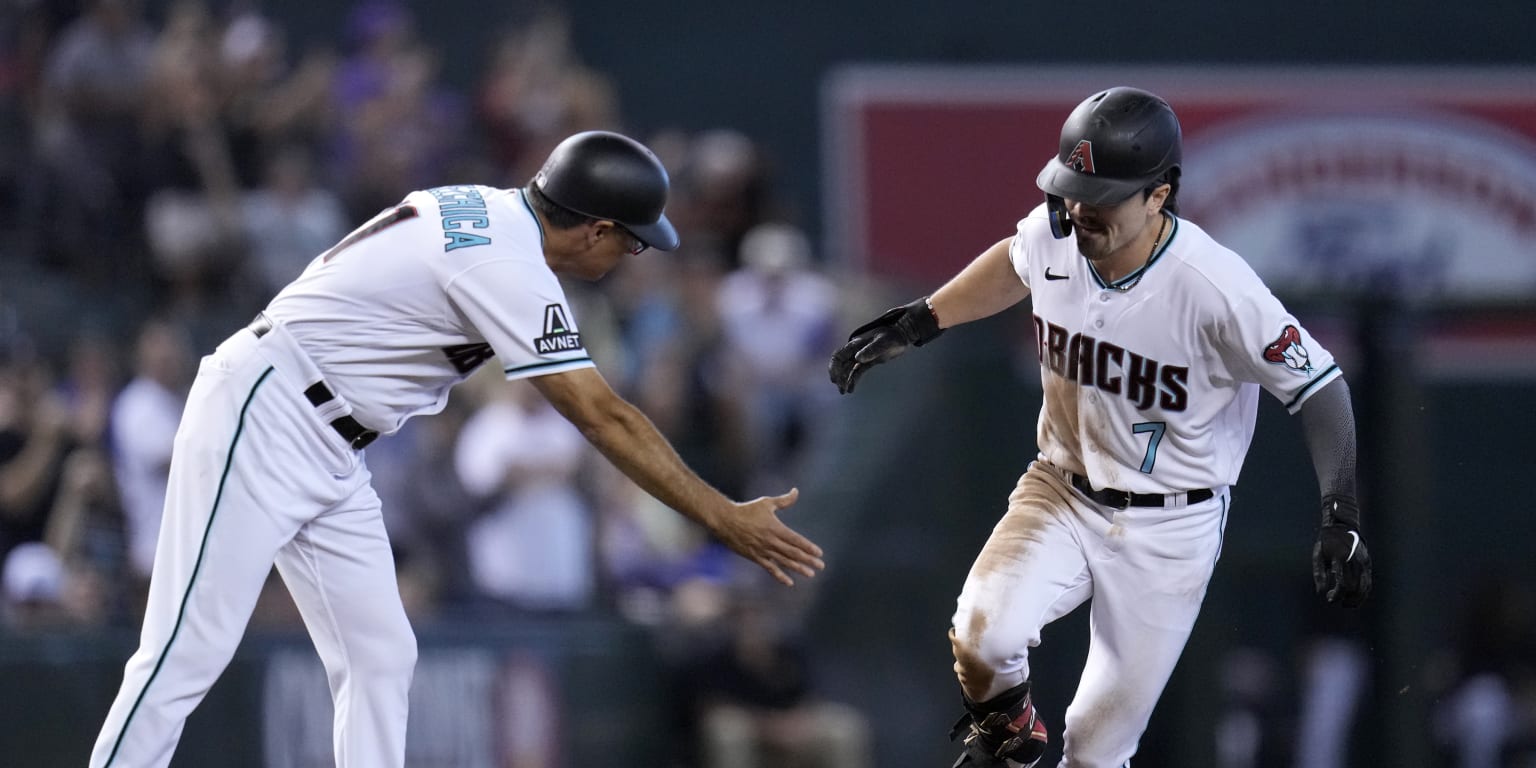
(1289, 351)
(1081, 158)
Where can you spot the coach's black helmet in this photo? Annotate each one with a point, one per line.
(609, 176)
(1116, 143)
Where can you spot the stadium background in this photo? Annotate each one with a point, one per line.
(902, 483)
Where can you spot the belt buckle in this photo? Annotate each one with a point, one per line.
(364, 439)
(1122, 499)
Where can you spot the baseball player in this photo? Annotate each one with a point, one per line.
(269, 467)
(1153, 342)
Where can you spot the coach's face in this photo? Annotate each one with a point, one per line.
(606, 244)
(1103, 231)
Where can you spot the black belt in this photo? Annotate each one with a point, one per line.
(318, 394)
(1111, 497)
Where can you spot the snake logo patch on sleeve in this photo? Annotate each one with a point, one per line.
(1289, 351)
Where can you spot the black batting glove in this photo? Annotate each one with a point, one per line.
(882, 339)
(1341, 566)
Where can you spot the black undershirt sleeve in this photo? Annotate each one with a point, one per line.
(1328, 422)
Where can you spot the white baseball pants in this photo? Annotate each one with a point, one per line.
(1146, 570)
(259, 477)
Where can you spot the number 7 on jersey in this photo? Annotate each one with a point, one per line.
(1156, 429)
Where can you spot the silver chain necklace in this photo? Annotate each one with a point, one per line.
(1163, 228)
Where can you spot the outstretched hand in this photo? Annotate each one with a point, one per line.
(754, 531)
(863, 352)
(881, 340)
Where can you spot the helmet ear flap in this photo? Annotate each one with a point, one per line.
(1056, 212)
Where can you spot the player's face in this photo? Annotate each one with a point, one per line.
(1104, 230)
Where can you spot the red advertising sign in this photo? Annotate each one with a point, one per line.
(1418, 181)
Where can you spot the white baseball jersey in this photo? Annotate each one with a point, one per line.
(415, 300)
(389, 319)
(1151, 383)
(1151, 386)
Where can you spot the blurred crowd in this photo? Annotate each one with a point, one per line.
(166, 172)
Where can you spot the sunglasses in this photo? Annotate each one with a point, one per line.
(639, 246)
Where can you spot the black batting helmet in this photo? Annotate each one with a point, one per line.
(1116, 143)
(609, 176)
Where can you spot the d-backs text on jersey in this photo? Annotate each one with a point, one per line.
(1111, 368)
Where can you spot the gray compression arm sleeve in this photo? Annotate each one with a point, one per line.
(1329, 424)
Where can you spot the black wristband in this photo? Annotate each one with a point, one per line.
(1339, 509)
(918, 323)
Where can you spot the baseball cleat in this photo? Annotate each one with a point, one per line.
(1012, 739)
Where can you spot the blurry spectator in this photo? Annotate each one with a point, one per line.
(89, 384)
(34, 587)
(599, 324)
(1249, 731)
(86, 197)
(778, 317)
(290, 220)
(83, 521)
(265, 104)
(684, 387)
(646, 311)
(1335, 675)
(192, 218)
(534, 547)
(402, 127)
(427, 509)
(144, 421)
(751, 694)
(97, 66)
(85, 530)
(723, 190)
(35, 438)
(1485, 716)
(669, 322)
(536, 92)
(23, 34)
(651, 557)
(277, 105)
(41, 592)
(377, 33)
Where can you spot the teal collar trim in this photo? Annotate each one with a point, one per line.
(522, 194)
(1125, 283)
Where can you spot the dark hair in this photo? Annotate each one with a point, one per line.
(1171, 178)
(557, 215)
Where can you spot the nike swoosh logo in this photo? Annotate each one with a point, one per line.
(1354, 545)
(1050, 276)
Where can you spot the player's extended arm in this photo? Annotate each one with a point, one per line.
(628, 439)
(1341, 566)
(986, 286)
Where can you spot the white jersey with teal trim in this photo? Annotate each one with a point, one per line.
(268, 466)
(1151, 383)
(412, 302)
